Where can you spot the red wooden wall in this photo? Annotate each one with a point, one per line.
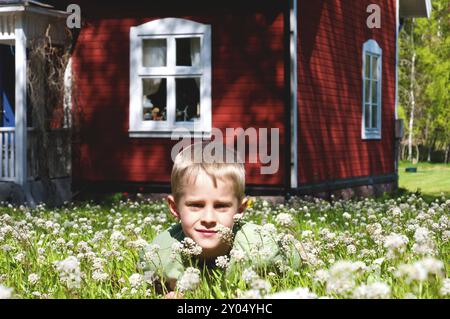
(247, 83)
(331, 37)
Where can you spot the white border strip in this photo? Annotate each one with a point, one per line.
(293, 89)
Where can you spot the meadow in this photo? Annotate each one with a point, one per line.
(431, 179)
(369, 248)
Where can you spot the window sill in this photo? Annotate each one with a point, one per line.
(168, 134)
(371, 137)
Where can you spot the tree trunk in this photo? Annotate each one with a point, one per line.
(411, 93)
(446, 155)
(417, 153)
(428, 141)
(413, 106)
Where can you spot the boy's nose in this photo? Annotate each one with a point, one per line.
(208, 216)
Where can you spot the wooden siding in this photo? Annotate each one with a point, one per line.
(331, 37)
(248, 88)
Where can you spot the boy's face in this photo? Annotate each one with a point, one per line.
(202, 208)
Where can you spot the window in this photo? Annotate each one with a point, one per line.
(371, 119)
(170, 78)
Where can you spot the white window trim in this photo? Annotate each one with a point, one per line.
(169, 28)
(372, 47)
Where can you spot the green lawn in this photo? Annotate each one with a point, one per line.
(431, 179)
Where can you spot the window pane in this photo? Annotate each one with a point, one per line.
(374, 116)
(188, 51)
(154, 52)
(366, 91)
(187, 99)
(367, 116)
(154, 103)
(367, 71)
(374, 91)
(375, 67)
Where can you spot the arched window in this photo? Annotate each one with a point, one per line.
(170, 78)
(371, 103)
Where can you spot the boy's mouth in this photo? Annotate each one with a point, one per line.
(207, 231)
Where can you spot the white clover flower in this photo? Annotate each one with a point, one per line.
(138, 243)
(151, 252)
(321, 275)
(222, 262)
(262, 285)
(99, 276)
(445, 288)
(249, 275)
(396, 212)
(69, 272)
(250, 294)
(5, 292)
(117, 236)
(190, 279)
(19, 257)
(298, 293)
(238, 255)
(284, 219)
(307, 233)
(341, 276)
(237, 218)
(420, 270)
(346, 215)
(225, 234)
(421, 234)
(268, 229)
(136, 280)
(33, 278)
(351, 249)
(395, 244)
(377, 290)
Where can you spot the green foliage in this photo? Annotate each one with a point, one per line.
(428, 40)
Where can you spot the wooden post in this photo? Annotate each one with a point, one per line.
(21, 105)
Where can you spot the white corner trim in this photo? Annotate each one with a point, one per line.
(293, 89)
(21, 103)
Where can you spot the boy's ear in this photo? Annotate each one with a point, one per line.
(243, 205)
(173, 206)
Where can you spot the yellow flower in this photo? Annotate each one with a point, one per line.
(250, 202)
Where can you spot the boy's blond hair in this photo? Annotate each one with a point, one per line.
(190, 162)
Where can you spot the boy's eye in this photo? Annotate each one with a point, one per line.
(195, 205)
(222, 206)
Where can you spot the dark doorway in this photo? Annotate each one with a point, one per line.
(7, 86)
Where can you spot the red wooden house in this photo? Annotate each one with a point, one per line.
(322, 72)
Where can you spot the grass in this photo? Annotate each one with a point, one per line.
(347, 248)
(431, 179)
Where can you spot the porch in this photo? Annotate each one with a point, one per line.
(25, 169)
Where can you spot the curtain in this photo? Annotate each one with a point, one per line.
(195, 55)
(151, 86)
(155, 52)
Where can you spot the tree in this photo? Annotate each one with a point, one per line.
(424, 81)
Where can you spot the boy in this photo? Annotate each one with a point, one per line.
(207, 196)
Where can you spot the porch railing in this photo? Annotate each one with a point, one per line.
(8, 152)
(58, 157)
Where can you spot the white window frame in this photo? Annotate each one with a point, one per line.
(170, 29)
(372, 48)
